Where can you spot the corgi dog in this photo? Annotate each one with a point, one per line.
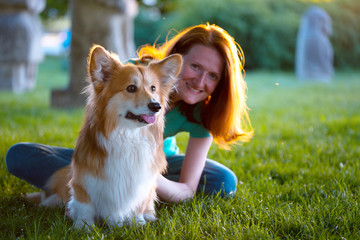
(118, 154)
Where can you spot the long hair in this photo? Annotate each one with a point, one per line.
(225, 112)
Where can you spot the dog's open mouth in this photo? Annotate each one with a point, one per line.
(143, 118)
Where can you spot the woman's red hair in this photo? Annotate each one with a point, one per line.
(224, 113)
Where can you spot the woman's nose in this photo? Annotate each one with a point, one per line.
(201, 80)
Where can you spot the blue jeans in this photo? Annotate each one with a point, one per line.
(35, 163)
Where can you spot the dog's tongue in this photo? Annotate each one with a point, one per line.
(149, 118)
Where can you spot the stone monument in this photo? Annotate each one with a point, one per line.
(20, 43)
(109, 23)
(314, 52)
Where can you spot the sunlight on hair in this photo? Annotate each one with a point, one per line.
(225, 115)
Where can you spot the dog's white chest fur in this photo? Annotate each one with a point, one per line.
(129, 177)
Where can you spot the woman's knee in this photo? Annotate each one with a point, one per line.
(15, 156)
(227, 182)
(35, 163)
(218, 179)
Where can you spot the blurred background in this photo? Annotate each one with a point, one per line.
(275, 35)
(298, 177)
(265, 29)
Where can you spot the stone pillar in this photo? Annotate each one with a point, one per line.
(20, 43)
(105, 22)
(314, 52)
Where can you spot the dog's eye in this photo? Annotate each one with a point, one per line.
(153, 88)
(131, 88)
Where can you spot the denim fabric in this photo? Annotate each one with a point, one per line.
(215, 177)
(35, 163)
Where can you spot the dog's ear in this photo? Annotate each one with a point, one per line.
(170, 68)
(100, 63)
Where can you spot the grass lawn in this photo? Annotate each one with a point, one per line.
(299, 178)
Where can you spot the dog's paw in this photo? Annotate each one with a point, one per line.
(137, 220)
(35, 198)
(114, 220)
(52, 201)
(81, 224)
(150, 217)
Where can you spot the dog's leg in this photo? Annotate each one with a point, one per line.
(52, 201)
(35, 198)
(147, 210)
(149, 213)
(135, 219)
(115, 220)
(43, 199)
(83, 214)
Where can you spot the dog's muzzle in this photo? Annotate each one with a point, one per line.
(145, 118)
(154, 106)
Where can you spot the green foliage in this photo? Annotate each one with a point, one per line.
(55, 9)
(298, 176)
(267, 29)
(345, 16)
(146, 25)
(256, 25)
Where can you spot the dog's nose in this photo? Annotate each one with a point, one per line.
(154, 106)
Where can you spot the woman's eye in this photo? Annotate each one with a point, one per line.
(195, 66)
(213, 76)
(153, 88)
(131, 88)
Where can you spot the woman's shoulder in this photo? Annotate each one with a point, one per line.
(176, 118)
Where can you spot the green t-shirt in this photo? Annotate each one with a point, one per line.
(176, 122)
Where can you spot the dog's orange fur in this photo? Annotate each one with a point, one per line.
(89, 157)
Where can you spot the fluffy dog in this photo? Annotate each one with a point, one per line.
(118, 154)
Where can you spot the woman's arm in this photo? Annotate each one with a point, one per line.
(192, 167)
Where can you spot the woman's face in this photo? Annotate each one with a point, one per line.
(200, 74)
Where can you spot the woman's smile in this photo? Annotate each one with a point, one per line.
(201, 73)
(195, 91)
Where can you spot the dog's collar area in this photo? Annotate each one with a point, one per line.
(143, 118)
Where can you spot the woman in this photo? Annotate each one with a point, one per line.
(209, 103)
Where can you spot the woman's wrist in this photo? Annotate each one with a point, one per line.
(170, 191)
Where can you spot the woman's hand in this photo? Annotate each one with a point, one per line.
(170, 191)
(191, 170)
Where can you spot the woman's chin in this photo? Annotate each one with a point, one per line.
(192, 101)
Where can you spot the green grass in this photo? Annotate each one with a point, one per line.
(298, 177)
